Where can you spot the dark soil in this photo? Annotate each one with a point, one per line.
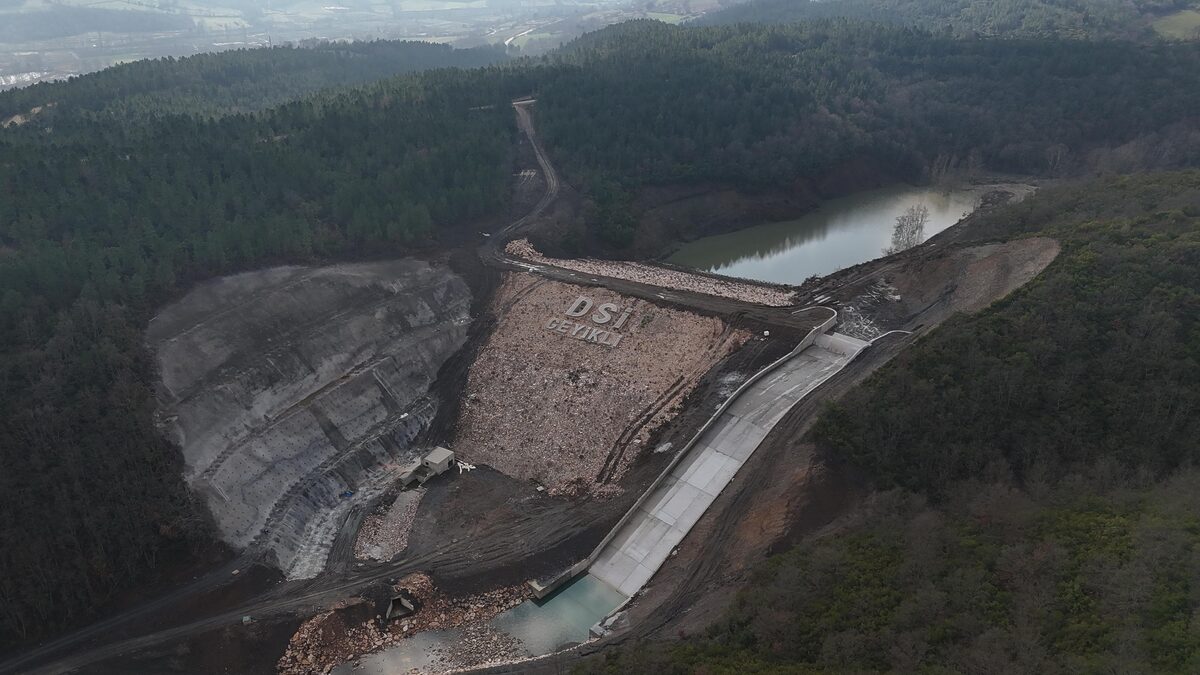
(237, 649)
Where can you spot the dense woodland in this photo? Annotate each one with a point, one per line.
(1097, 361)
(239, 81)
(1036, 467)
(1126, 19)
(145, 178)
(788, 107)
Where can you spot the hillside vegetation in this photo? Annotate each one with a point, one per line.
(240, 81)
(1096, 361)
(1075, 19)
(1036, 462)
(809, 106)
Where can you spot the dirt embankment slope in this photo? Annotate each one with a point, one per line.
(545, 403)
(922, 287)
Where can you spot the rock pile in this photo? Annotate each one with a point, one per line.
(326, 640)
(481, 645)
(570, 415)
(384, 534)
(339, 635)
(439, 611)
(659, 276)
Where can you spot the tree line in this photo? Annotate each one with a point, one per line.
(237, 81)
(768, 107)
(1074, 19)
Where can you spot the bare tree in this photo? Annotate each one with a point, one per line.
(910, 229)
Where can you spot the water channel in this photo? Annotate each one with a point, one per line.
(842, 233)
(560, 621)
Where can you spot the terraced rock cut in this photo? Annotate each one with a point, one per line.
(296, 392)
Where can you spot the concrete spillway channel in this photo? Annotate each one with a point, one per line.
(575, 604)
(658, 525)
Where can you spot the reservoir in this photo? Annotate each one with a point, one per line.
(841, 233)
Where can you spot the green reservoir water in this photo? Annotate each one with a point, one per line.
(842, 233)
(563, 619)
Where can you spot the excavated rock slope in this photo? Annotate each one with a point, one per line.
(289, 387)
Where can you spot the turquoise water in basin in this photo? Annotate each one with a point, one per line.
(561, 620)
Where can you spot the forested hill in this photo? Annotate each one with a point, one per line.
(1009, 18)
(97, 229)
(243, 80)
(790, 106)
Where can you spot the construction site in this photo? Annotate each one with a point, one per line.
(492, 457)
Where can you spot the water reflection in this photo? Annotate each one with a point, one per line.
(842, 233)
(560, 621)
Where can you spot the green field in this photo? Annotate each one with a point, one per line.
(666, 18)
(1182, 25)
(525, 39)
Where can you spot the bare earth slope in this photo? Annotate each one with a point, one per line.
(290, 386)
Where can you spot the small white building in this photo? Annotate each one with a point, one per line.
(438, 460)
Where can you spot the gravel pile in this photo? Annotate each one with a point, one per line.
(384, 535)
(324, 641)
(545, 407)
(481, 645)
(659, 276)
(327, 640)
(439, 611)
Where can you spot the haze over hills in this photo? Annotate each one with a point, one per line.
(1073, 19)
(42, 40)
(236, 82)
(1011, 486)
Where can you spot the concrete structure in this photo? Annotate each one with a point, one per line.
(401, 605)
(662, 521)
(434, 462)
(438, 459)
(410, 473)
(644, 538)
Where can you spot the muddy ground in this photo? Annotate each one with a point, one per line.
(233, 650)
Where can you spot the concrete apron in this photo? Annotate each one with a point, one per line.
(578, 611)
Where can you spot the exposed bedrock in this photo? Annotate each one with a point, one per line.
(288, 387)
